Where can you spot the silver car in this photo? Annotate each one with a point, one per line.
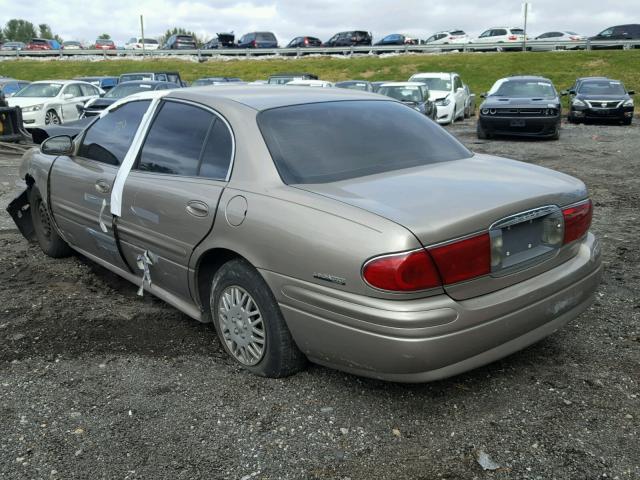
(329, 225)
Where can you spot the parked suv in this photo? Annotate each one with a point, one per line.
(180, 42)
(304, 42)
(448, 93)
(349, 39)
(38, 44)
(600, 98)
(258, 40)
(619, 32)
(222, 40)
(506, 35)
(448, 37)
(138, 43)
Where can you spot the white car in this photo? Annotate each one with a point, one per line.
(137, 44)
(310, 83)
(506, 35)
(448, 92)
(546, 40)
(52, 102)
(448, 37)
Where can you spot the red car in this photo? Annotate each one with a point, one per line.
(38, 44)
(104, 44)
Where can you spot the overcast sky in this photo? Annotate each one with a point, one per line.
(86, 19)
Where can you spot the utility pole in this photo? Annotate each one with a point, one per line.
(142, 31)
(525, 7)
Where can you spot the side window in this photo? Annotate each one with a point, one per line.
(457, 83)
(175, 140)
(498, 33)
(606, 33)
(88, 90)
(486, 34)
(73, 89)
(431, 39)
(109, 138)
(217, 152)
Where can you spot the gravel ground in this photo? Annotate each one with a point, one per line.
(98, 383)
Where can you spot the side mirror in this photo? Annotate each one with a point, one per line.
(631, 92)
(60, 145)
(572, 92)
(483, 95)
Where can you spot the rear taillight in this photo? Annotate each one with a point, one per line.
(464, 259)
(306, 41)
(577, 220)
(403, 272)
(253, 43)
(574, 38)
(512, 37)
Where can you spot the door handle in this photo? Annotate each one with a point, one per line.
(102, 186)
(197, 208)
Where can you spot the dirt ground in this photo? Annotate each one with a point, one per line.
(96, 382)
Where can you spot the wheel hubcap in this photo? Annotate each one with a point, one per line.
(45, 223)
(241, 324)
(51, 118)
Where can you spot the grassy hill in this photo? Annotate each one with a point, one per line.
(478, 70)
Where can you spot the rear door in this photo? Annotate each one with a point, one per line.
(171, 196)
(80, 185)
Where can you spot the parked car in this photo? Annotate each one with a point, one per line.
(600, 98)
(13, 46)
(396, 39)
(180, 42)
(215, 81)
(619, 32)
(470, 104)
(104, 83)
(163, 76)
(38, 44)
(376, 85)
(138, 43)
(413, 94)
(9, 86)
(304, 42)
(258, 40)
(97, 105)
(349, 39)
(318, 224)
(104, 44)
(557, 36)
(52, 102)
(72, 45)
(309, 83)
(55, 45)
(525, 106)
(222, 40)
(511, 37)
(284, 78)
(447, 90)
(448, 37)
(361, 85)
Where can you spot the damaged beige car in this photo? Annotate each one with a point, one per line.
(331, 225)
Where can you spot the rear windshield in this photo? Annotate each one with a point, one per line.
(149, 41)
(458, 32)
(124, 90)
(184, 38)
(602, 87)
(435, 83)
(104, 42)
(517, 31)
(403, 93)
(132, 77)
(265, 37)
(523, 89)
(333, 141)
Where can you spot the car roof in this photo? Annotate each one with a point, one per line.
(432, 74)
(403, 84)
(527, 77)
(62, 82)
(264, 97)
(146, 82)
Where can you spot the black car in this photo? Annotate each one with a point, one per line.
(284, 78)
(222, 40)
(214, 81)
(105, 83)
(361, 85)
(619, 32)
(258, 40)
(600, 98)
(527, 106)
(413, 94)
(304, 42)
(180, 42)
(349, 39)
(124, 89)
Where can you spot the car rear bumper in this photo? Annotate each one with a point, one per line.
(435, 337)
(529, 126)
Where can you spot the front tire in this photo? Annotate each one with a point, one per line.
(627, 121)
(52, 118)
(249, 323)
(50, 242)
(482, 134)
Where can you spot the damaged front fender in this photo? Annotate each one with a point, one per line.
(21, 215)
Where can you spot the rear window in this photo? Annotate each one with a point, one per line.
(333, 141)
(517, 31)
(265, 37)
(184, 38)
(458, 32)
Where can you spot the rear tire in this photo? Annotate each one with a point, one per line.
(627, 121)
(556, 134)
(50, 242)
(249, 322)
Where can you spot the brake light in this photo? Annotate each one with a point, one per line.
(574, 38)
(512, 37)
(253, 43)
(402, 272)
(464, 259)
(577, 220)
(306, 41)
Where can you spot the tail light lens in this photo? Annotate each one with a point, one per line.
(574, 38)
(306, 41)
(512, 37)
(577, 220)
(404, 272)
(464, 259)
(253, 43)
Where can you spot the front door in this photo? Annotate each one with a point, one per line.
(171, 196)
(80, 185)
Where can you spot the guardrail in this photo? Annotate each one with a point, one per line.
(364, 50)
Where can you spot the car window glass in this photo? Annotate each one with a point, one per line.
(73, 89)
(88, 90)
(431, 38)
(485, 34)
(175, 140)
(607, 33)
(499, 32)
(217, 152)
(109, 138)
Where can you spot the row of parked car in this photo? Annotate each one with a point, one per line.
(506, 35)
(519, 105)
